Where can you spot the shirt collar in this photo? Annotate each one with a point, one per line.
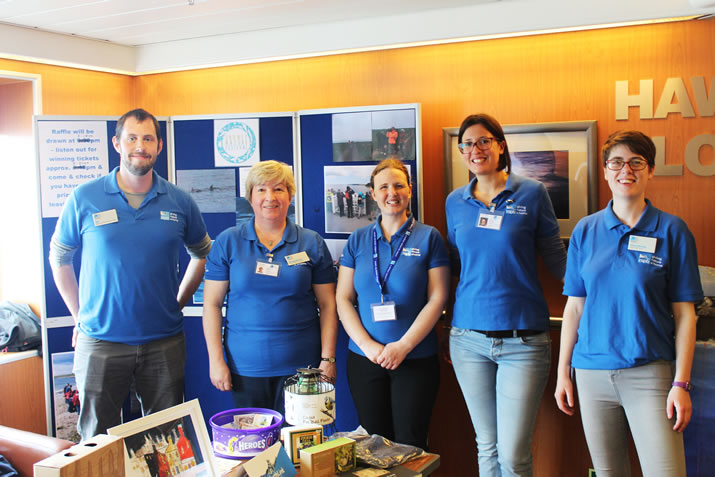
(290, 234)
(400, 232)
(647, 222)
(158, 186)
(512, 183)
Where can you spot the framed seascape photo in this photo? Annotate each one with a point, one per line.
(563, 156)
(173, 442)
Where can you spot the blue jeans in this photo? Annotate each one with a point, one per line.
(104, 371)
(502, 380)
(611, 401)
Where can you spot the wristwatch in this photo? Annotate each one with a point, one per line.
(683, 384)
(329, 360)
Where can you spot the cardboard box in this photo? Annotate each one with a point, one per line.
(296, 438)
(101, 455)
(328, 459)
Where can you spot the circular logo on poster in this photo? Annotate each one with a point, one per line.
(236, 142)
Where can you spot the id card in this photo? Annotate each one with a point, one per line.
(268, 269)
(296, 258)
(490, 220)
(383, 311)
(642, 244)
(105, 217)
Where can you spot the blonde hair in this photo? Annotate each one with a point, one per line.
(270, 171)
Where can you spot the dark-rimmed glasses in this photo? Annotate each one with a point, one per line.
(483, 143)
(634, 164)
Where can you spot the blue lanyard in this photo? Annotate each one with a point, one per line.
(395, 256)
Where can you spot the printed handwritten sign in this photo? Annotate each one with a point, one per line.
(71, 153)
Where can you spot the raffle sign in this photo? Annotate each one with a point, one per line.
(71, 153)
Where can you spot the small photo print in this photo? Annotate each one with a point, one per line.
(348, 202)
(394, 134)
(65, 396)
(213, 190)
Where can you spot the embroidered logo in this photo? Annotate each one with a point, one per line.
(166, 215)
(411, 252)
(516, 210)
(653, 260)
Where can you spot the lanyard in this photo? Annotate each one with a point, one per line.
(393, 261)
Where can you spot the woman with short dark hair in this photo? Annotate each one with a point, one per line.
(628, 332)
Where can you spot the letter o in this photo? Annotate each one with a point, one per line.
(692, 155)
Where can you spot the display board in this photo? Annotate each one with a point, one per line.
(339, 148)
(71, 150)
(212, 155)
(331, 151)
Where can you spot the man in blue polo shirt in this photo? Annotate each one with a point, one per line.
(130, 225)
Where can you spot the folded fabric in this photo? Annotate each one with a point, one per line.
(377, 451)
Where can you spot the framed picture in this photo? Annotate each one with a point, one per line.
(563, 156)
(170, 442)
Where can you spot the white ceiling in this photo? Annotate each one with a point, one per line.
(145, 22)
(145, 36)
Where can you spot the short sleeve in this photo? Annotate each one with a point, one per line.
(573, 281)
(67, 230)
(684, 277)
(347, 259)
(324, 270)
(196, 228)
(217, 262)
(548, 225)
(438, 250)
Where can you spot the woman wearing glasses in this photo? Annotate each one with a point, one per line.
(629, 324)
(499, 340)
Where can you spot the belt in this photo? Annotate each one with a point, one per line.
(508, 333)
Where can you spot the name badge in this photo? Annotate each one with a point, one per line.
(383, 311)
(490, 220)
(296, 258)
(642, 244)
(267, 268)
(104, 218)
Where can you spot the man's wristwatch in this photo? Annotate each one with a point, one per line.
(683, 384)
(329, 360)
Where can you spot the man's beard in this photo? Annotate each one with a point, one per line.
(140, 169)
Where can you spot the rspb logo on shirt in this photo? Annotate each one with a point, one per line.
(166, 215)
(411, 252)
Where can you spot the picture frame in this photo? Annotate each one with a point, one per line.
(562, 155)
(175, 437)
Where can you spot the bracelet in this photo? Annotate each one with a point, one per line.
(683, 384)
(329, 360)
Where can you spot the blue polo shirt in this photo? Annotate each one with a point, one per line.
(406, 285)
(272, 323)
(129, 277)
(498, 286)
(627, 319)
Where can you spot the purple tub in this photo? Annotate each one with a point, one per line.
(243, 443)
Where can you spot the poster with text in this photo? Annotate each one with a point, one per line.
(71, 153)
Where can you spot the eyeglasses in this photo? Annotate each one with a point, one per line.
(483, 143)
(634, 164)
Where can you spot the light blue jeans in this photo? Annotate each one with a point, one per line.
(612, 400)
(502, 380)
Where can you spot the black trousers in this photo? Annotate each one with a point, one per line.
(259, 392)
(396, 404)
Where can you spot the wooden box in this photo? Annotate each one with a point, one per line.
(328, 459)
(101, 455)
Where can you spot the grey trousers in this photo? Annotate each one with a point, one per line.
(104, 372)
(611, 401)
